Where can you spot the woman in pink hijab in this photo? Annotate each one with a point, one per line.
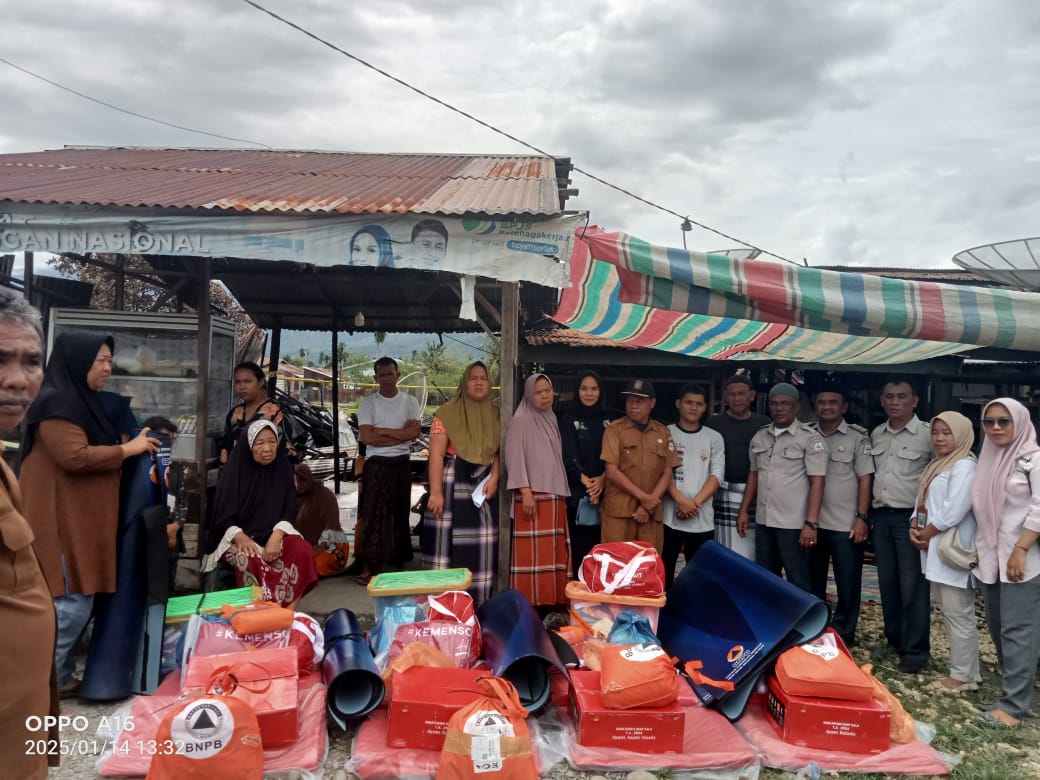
(1006, 502)
(534, 463)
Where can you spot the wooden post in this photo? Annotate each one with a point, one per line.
(27, 277)
(335, 405)
(276, 356)
(507, 357)
(205, 335)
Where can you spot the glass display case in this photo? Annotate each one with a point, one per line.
(156, 366)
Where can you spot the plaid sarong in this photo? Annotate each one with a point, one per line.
(464, 536)
(541, 550)
(727, 506)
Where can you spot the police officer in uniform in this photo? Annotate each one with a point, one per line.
(788, 466)
(639, 458)
(843, 516)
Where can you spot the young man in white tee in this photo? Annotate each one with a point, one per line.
(689, 517)
(389, 421)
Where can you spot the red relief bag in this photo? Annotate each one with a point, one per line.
(823, 669)
(208, 738)
(488, 739)
(623, 569)
(637, 676)
(267, 680)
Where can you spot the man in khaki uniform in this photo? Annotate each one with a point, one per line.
(902, 447)
(788, 465)
(843, 516)
(639, 458)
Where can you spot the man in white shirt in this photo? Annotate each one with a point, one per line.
(689, 517)
(389, 422)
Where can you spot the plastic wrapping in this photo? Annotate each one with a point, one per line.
(916, 758)
(711, 745)
(595, 613)
(305, 757)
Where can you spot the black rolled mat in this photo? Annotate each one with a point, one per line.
(355, 687)
(734, 617)
(517, 646)
(114, 661)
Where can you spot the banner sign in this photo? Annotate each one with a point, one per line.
(508, 250)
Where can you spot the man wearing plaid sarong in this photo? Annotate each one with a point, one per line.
(737, 424)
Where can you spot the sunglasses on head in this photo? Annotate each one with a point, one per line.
(992, 422)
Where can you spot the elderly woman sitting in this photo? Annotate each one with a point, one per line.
(253, 518)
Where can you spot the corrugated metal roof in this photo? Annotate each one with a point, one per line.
(285, 181)
(566, 337)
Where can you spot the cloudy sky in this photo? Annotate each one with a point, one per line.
(878, 132)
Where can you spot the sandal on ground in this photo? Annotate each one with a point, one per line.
(363, 579)
(990, 720)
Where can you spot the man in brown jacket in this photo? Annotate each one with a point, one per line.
(639, 457)
(26, 609)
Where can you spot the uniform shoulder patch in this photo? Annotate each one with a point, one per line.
(859, 429)
(816, 442)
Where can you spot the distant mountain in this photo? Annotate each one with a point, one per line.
(464, 346)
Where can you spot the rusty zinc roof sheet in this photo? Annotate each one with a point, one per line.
(284, 181)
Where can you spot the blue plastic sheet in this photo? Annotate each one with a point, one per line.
(735, 618)
(355, 687)
(517, 646)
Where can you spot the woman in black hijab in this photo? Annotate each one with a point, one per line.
(581, 434)
(253, 519)
(70, 465)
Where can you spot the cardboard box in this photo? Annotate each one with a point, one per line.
(424, 699)
(828, 724)
(641, 730)
(267, 681)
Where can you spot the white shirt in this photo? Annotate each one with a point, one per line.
(949, 504)
(381, 412)
(702, 455)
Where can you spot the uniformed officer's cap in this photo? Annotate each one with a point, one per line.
(784, 389)
(831, 386)
(641, 388)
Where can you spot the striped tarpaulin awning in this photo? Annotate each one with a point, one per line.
(591, 305)
(830, 301)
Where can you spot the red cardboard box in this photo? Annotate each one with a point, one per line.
(641, 730)
(424, 700)
(267, 681)
(828, 724)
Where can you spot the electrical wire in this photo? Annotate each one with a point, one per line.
(114, 107)
(505, 134)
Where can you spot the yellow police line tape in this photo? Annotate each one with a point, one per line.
(351, 382)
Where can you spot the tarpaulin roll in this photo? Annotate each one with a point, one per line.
(355, 687)
(734, 618)
(114, 662)
(517, 646)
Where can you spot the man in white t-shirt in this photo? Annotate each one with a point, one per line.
(389, 422)
(689, 517)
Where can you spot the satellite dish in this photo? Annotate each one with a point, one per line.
(414, 384)
(1009, 263)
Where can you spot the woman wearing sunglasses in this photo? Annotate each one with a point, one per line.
(1006, 501)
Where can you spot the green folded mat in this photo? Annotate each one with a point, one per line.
(396, 583)
(181, 608)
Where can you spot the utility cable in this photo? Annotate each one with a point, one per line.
(114, 107)
(503, 133)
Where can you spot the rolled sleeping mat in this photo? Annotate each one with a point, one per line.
(517, 646)
(119, 618)
(734, 618)
(355, 687)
